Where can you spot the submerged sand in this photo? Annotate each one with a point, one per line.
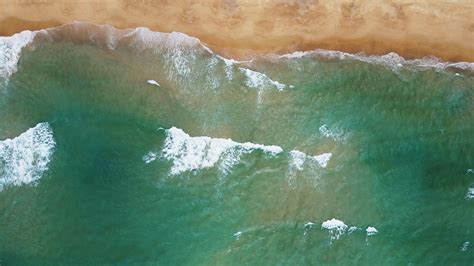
(243, 29)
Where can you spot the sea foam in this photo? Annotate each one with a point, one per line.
(465, 246)
(10, 50)
(147, 38)
(189, 153)
(180, 50)
(371, 231)
(334, 134)
(470, 193)
(391, 60)
(259, 80)
(336, 228)
(298, 159)
(25, 158)
(192, 153)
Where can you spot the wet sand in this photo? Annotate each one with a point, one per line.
(243, 29)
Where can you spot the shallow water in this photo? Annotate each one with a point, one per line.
(142, 173)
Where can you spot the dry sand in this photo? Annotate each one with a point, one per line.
(244, 28)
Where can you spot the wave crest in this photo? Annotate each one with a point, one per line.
(189, 153)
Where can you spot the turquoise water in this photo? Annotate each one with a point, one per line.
(121, 171)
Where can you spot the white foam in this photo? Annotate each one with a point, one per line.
(470, 171)
(178, 49)
(465, 246)
(228, 64)
(10, 50)
(336, 228)
(371, 231)
(298, 159)
(322, 159)
(352, 229)
(153, 82)
(195, 153)
(150, 157)
(177, 44)
(333, 224)
(25, 158)
(228, 68)
(297, 54)
(180, 53)
(391, 60)
(308, 224)
(148, 39)
(259, 80)
(237, 235)
(330, 133)
(470, 193)
(211, 76)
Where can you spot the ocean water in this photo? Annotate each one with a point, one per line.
(137, 147)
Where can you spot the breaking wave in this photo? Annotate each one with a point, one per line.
(10, 50)
(189, 153)
(25, 158)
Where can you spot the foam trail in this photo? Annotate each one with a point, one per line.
(211, 78)
(336, 135)
(391, 60)
(150, 157)
(229, 65)
(10, 50)
(178, 49)
(259, 80)
(25, 158)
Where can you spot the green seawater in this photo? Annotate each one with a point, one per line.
(402, 145)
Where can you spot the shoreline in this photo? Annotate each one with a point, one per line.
(243, 30)
(103, 34)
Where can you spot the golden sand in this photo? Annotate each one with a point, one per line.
(244, 28)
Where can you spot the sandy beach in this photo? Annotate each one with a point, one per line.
(243, 29)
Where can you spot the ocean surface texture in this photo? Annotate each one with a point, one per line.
(138, 147)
